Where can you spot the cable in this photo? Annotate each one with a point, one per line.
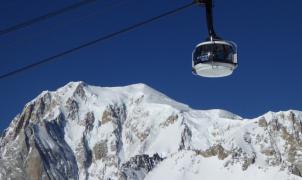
(106, 37)
(44, 17)
(100, 11)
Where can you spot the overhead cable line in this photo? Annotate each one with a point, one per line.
(100, 39)
(59, 25)
(44, 17)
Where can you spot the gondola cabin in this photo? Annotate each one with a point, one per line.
(217, 58)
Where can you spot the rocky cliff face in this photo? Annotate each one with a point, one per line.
(135, 132)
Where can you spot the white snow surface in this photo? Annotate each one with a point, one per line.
(154, 123)
(186, 165)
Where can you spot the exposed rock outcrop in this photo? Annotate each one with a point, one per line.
(88, 132)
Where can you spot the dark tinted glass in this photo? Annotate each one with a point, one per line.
(215, 52)
(223, 52)
(201, 53)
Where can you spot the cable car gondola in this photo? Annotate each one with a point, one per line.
(215, 57)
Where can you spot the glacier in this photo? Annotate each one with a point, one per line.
(134, 132)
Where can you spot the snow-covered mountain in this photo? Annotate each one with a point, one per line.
(135, 132)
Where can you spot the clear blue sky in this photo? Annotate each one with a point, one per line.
(268, 34)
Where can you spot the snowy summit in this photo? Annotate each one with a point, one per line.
(135, 132)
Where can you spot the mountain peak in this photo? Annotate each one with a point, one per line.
(121, 93)
(135, 132)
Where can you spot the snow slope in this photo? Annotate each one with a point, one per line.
(186, 165)
(135, 132)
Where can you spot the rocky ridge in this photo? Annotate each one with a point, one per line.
(135, 132)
